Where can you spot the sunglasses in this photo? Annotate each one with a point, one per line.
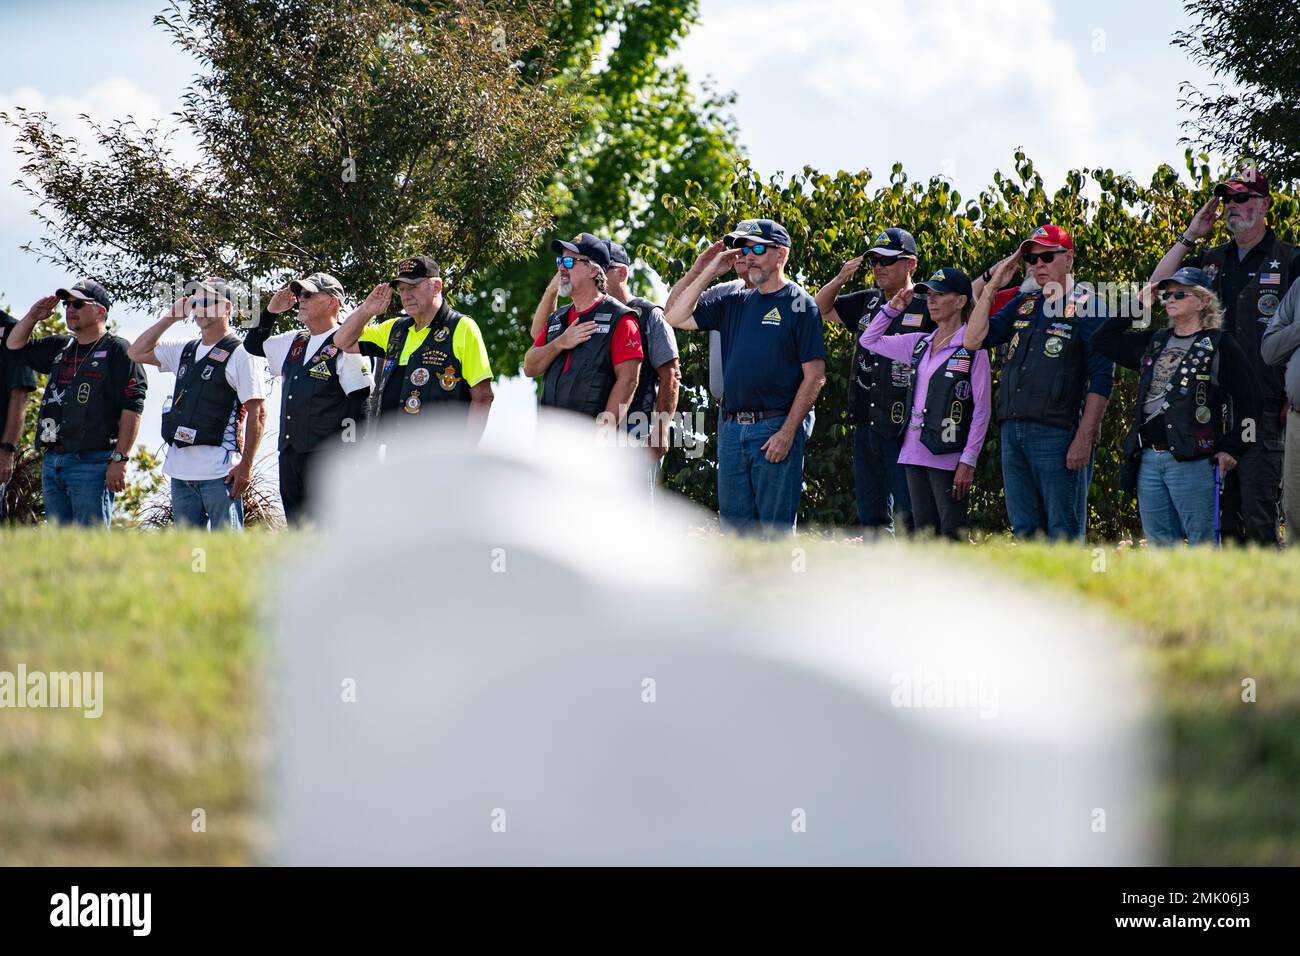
(75, 304)
(1238, 198)
(881, 262)
(757, 249)
(1034, 257)
(568, 261)
(304, 294)
(1167, 295)
(205, 303)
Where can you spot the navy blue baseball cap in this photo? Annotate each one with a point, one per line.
(585, 245)
(1188, 275)
(757, 230)
(948, 279)
(87, 290)
(893, 242)
(617, 254)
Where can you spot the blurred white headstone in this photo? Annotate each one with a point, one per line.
(500, 657)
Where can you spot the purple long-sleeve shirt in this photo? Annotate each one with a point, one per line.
(900, 348)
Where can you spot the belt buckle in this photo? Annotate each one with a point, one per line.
(745, 418)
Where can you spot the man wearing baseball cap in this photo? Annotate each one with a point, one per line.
(589, 354)
(90, 412)
(774, 358)
(1053, 388)
(324, 389)
(878, 385)
(214, 420)
(716, 373)
(432, 357)
(1250, 273)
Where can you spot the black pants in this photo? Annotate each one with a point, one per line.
(1249, 504)
(933, 508)
(294, 468)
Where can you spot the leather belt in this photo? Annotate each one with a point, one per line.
(748, 418)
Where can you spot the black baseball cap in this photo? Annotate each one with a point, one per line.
(893, 242)
(585, 245)
(87, 290)
(617, 254)
(414, 269)
(948, 279)
(1188, 275)
(757, 230)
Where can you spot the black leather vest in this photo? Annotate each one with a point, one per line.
(433, 373)
(1193, 407)
(202, 401)
(878, 385)
(314, 405)
(80, 415)
(585, 388)
(1045, 375)
(949, 399)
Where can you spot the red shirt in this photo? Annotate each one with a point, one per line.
(624, 337)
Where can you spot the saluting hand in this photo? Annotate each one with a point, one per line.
(576, 334)
(724, 262)
(1205, 218)
(377, 302)
(849, 268)
(902, 299)
(282, 301)
(43, 308)
(1005, 271)
(706, 258)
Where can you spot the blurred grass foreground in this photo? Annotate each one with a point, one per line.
(171, 772)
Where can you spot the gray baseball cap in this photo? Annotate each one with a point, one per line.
(318, 282)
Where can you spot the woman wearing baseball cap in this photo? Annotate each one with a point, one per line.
(1181, 442)
(948, 399)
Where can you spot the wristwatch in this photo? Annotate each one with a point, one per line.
(1187, 242)
(117, 456)
(9, 447)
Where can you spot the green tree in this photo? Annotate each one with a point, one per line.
(643, 134)
(1121, 228)
(1255, 44)
(332, 134)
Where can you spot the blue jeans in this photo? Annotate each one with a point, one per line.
(755, 495)
(196, 503)
(1042, 494)
(879, 481)
(74, 485)
(1176, 498)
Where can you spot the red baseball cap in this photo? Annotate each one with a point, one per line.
(1051, 236)
(1246, 181)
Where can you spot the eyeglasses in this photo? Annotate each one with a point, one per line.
(1166, 295)
(205, 303)
(1034, 257)
(880, 262)
(568, 261)
(304, 294)
(76, 303)
(757, 249)
(1239, 198)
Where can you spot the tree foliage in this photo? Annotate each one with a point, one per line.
(1121, 228)
(1256, 45)
(341, 135)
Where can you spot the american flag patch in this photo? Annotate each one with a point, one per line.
(1270, 278)
(959, 364)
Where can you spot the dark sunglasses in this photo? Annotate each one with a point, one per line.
(880, 262)
(1034, 257)
(204, 303)
(757, 249)
(304, 294)
(1239, 198)
(76, 303)
(1166, 295)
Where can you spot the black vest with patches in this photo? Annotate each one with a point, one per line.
(1256, 304)
(433, 373)
(949, 399)
(585, 388)
(314, 405)
(1045, 375)
(878, 385)
(1193, 406)
(81, 415)
(647, 386)
(203, 401)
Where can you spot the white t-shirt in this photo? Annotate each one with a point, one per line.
(247, 376)
(353, 368)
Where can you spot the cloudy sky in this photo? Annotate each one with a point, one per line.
(944, 86)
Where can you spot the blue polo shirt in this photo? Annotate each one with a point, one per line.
(1101, 371)
(766, 338)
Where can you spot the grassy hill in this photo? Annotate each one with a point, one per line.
(176, 633)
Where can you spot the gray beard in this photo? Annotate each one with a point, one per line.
(566, 288)
(1236, 224)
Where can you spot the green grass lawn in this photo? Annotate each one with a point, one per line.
(180, 649)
